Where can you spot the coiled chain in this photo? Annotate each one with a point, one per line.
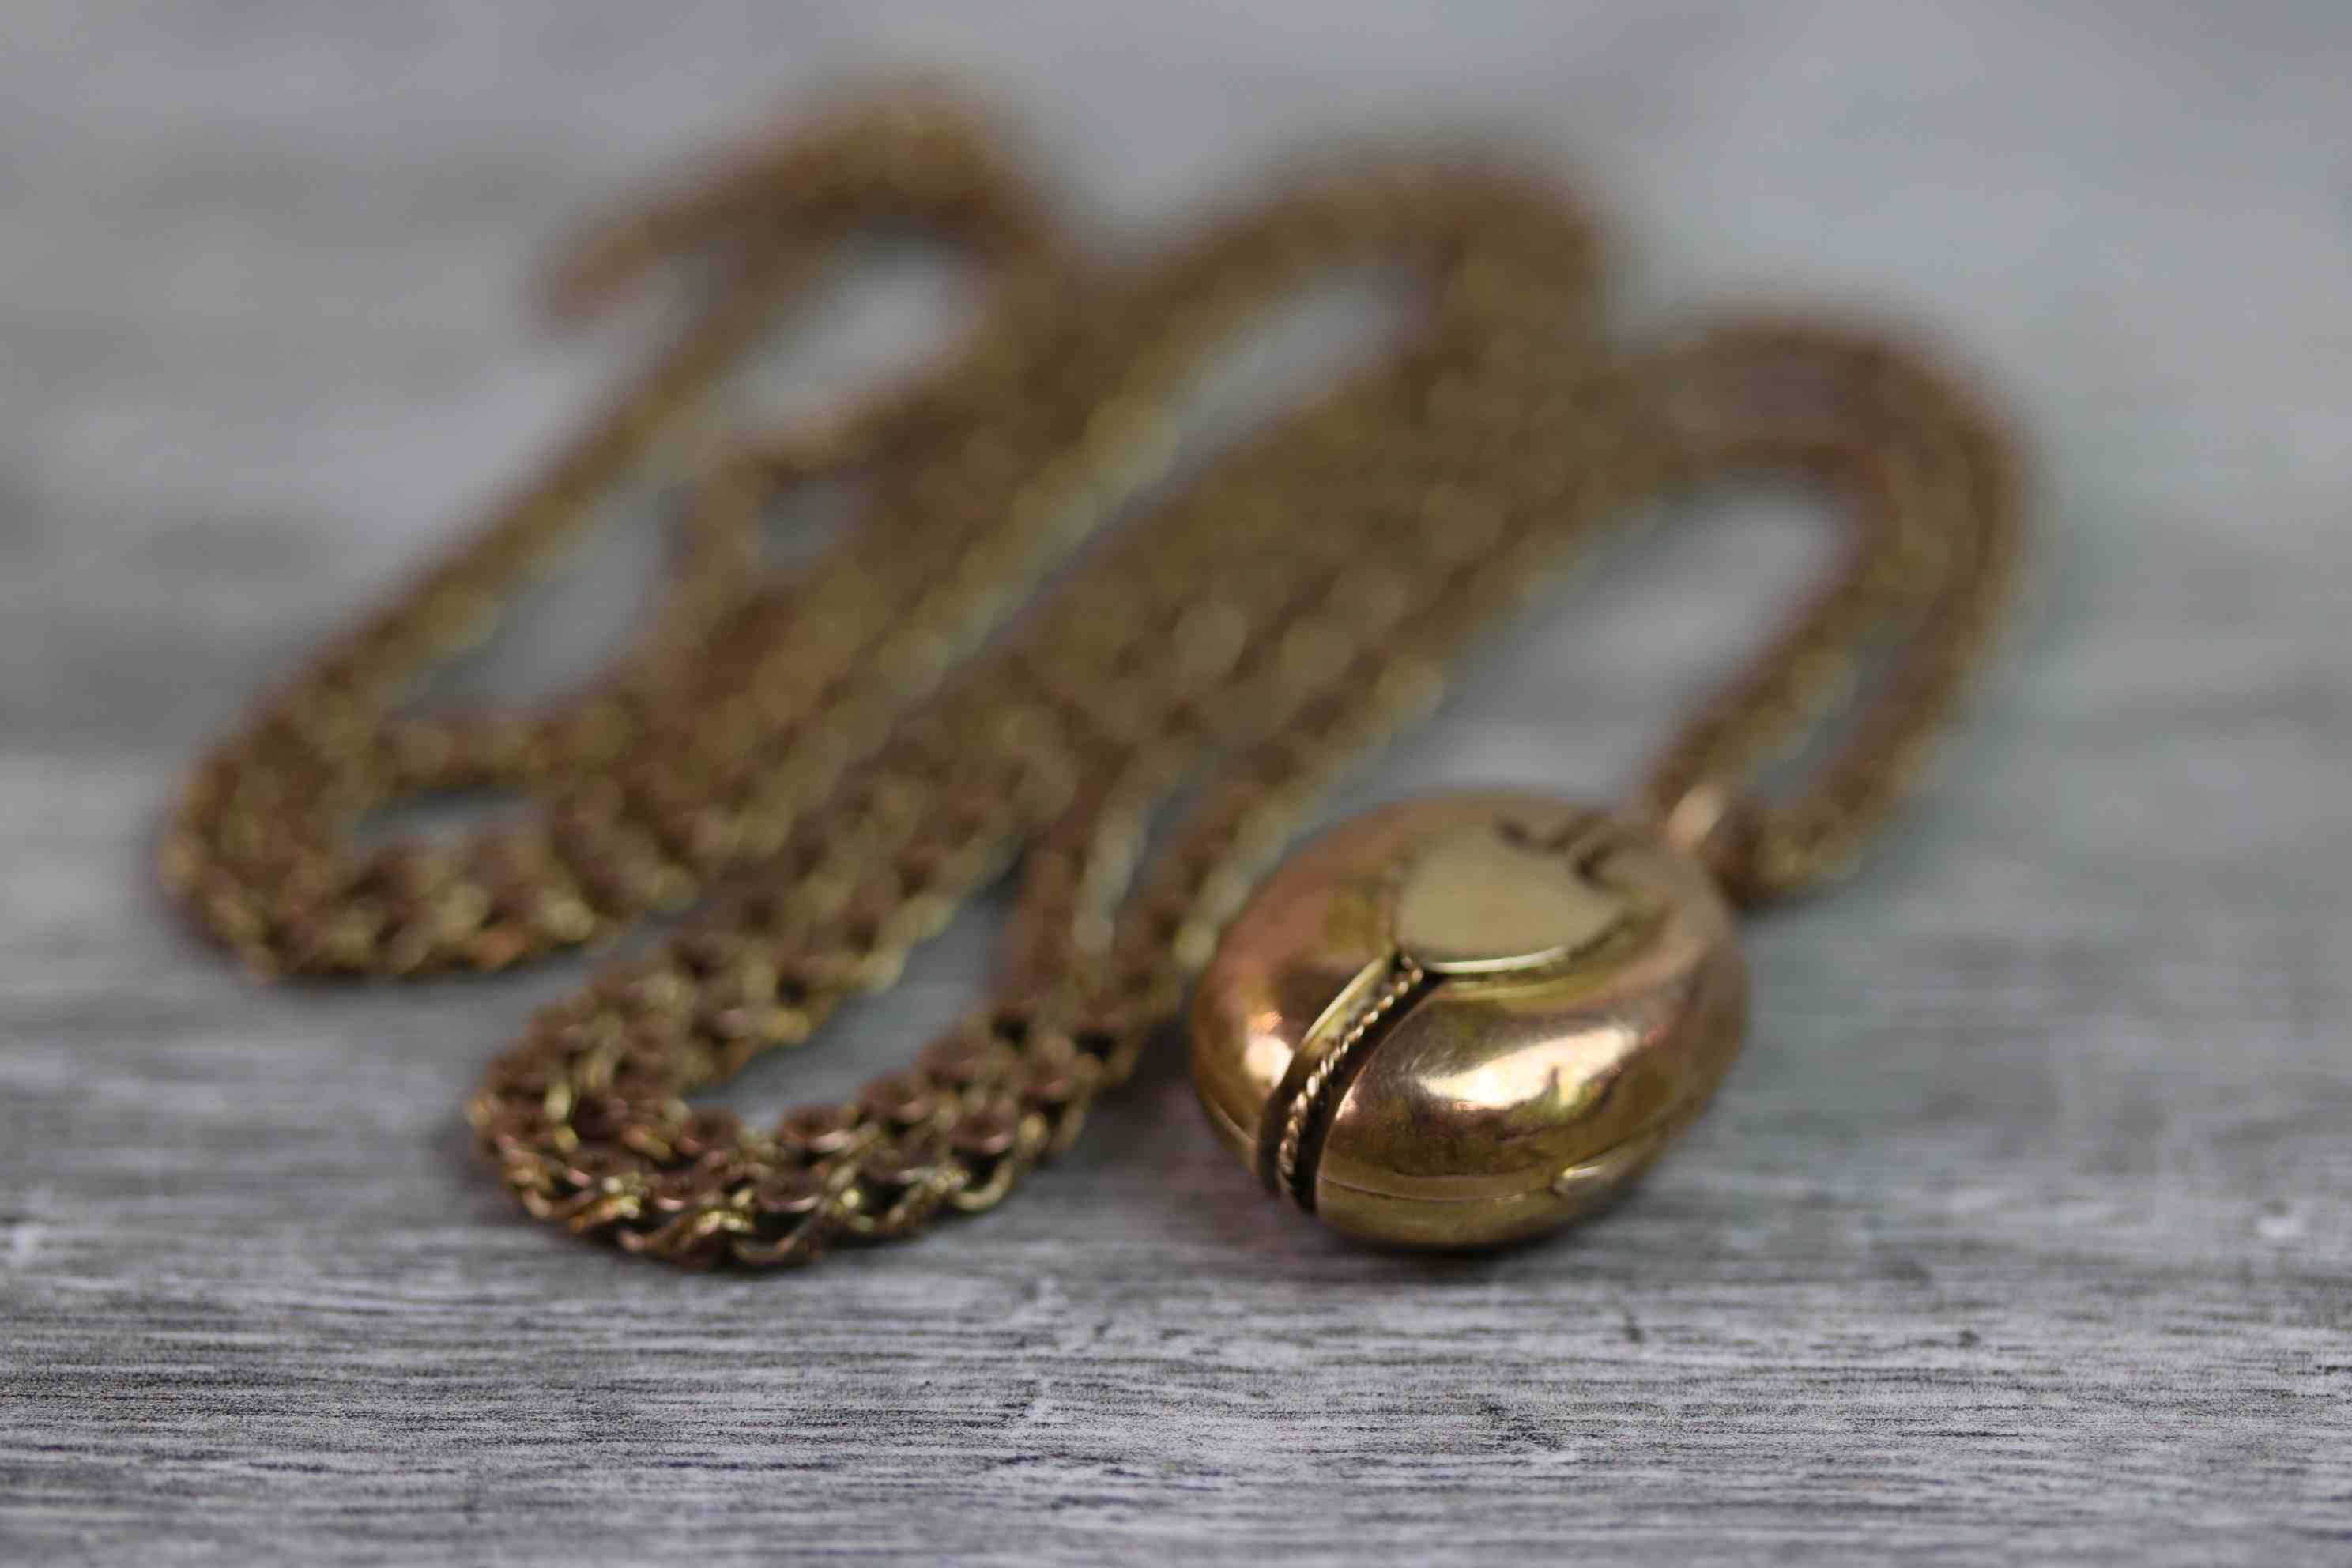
(839, 746)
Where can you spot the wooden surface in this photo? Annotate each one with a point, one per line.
(2020, 1233)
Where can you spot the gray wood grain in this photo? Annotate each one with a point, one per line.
(2020, 1233)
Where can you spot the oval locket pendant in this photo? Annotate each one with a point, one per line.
(1469, 1020)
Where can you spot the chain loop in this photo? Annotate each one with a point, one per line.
(833, 740)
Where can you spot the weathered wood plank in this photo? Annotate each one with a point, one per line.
(2021, 1231)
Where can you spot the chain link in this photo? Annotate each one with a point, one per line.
(843, 748)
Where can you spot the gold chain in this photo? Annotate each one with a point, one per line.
(839, 742)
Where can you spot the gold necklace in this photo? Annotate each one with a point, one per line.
(1455, 1022)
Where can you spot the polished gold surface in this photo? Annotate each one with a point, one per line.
(1523, 1087)
(859, 744)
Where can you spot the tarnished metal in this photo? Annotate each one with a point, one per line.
(837, 741)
